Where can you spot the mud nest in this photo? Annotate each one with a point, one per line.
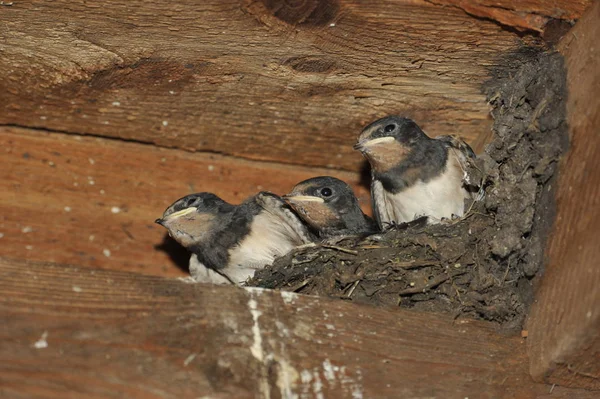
(480, 266)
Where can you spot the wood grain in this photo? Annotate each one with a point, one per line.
(75, 332)
(523, 14)
(565, 321)
(93, 201)
(263, 80)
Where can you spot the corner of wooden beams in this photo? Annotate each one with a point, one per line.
(564, 325)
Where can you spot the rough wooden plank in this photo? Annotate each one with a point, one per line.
(263, 79)
(565, 322)
(70, 199)
(73, 332)
(522, 14)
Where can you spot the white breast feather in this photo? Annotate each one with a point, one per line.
(441, 197)
(203, 274)
(269, 238)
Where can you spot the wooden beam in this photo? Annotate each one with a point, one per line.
(564, 326)
(522, 14)
(74, 332)
(256, 79)
(93, 201)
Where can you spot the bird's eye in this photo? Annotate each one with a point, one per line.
(389, 128)
(326, 192)
(190, 202)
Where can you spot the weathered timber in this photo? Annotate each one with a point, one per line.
(264, 80)
(564, 326)
(93, 201)
(75, 332)
(522, 14)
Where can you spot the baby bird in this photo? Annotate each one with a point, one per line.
(413, 175)
(230, 242)
(329, 206)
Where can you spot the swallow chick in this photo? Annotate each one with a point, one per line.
(413, 175)
(230, 242)
(329, 207)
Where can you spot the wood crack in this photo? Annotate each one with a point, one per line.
(530, 17)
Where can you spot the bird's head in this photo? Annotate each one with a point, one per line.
(190, 219)
(322, 201)
(388, 141)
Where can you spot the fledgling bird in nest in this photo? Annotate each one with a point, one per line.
(230, 242)
(414, 175)
(328, 205)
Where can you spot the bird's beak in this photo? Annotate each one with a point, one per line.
(364, 145)
(175, 215)
(302, 198)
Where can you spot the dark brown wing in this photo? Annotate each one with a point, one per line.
(376, 215)
(459, 144)
(473, 175)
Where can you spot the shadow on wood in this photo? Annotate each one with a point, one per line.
(178, 254)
